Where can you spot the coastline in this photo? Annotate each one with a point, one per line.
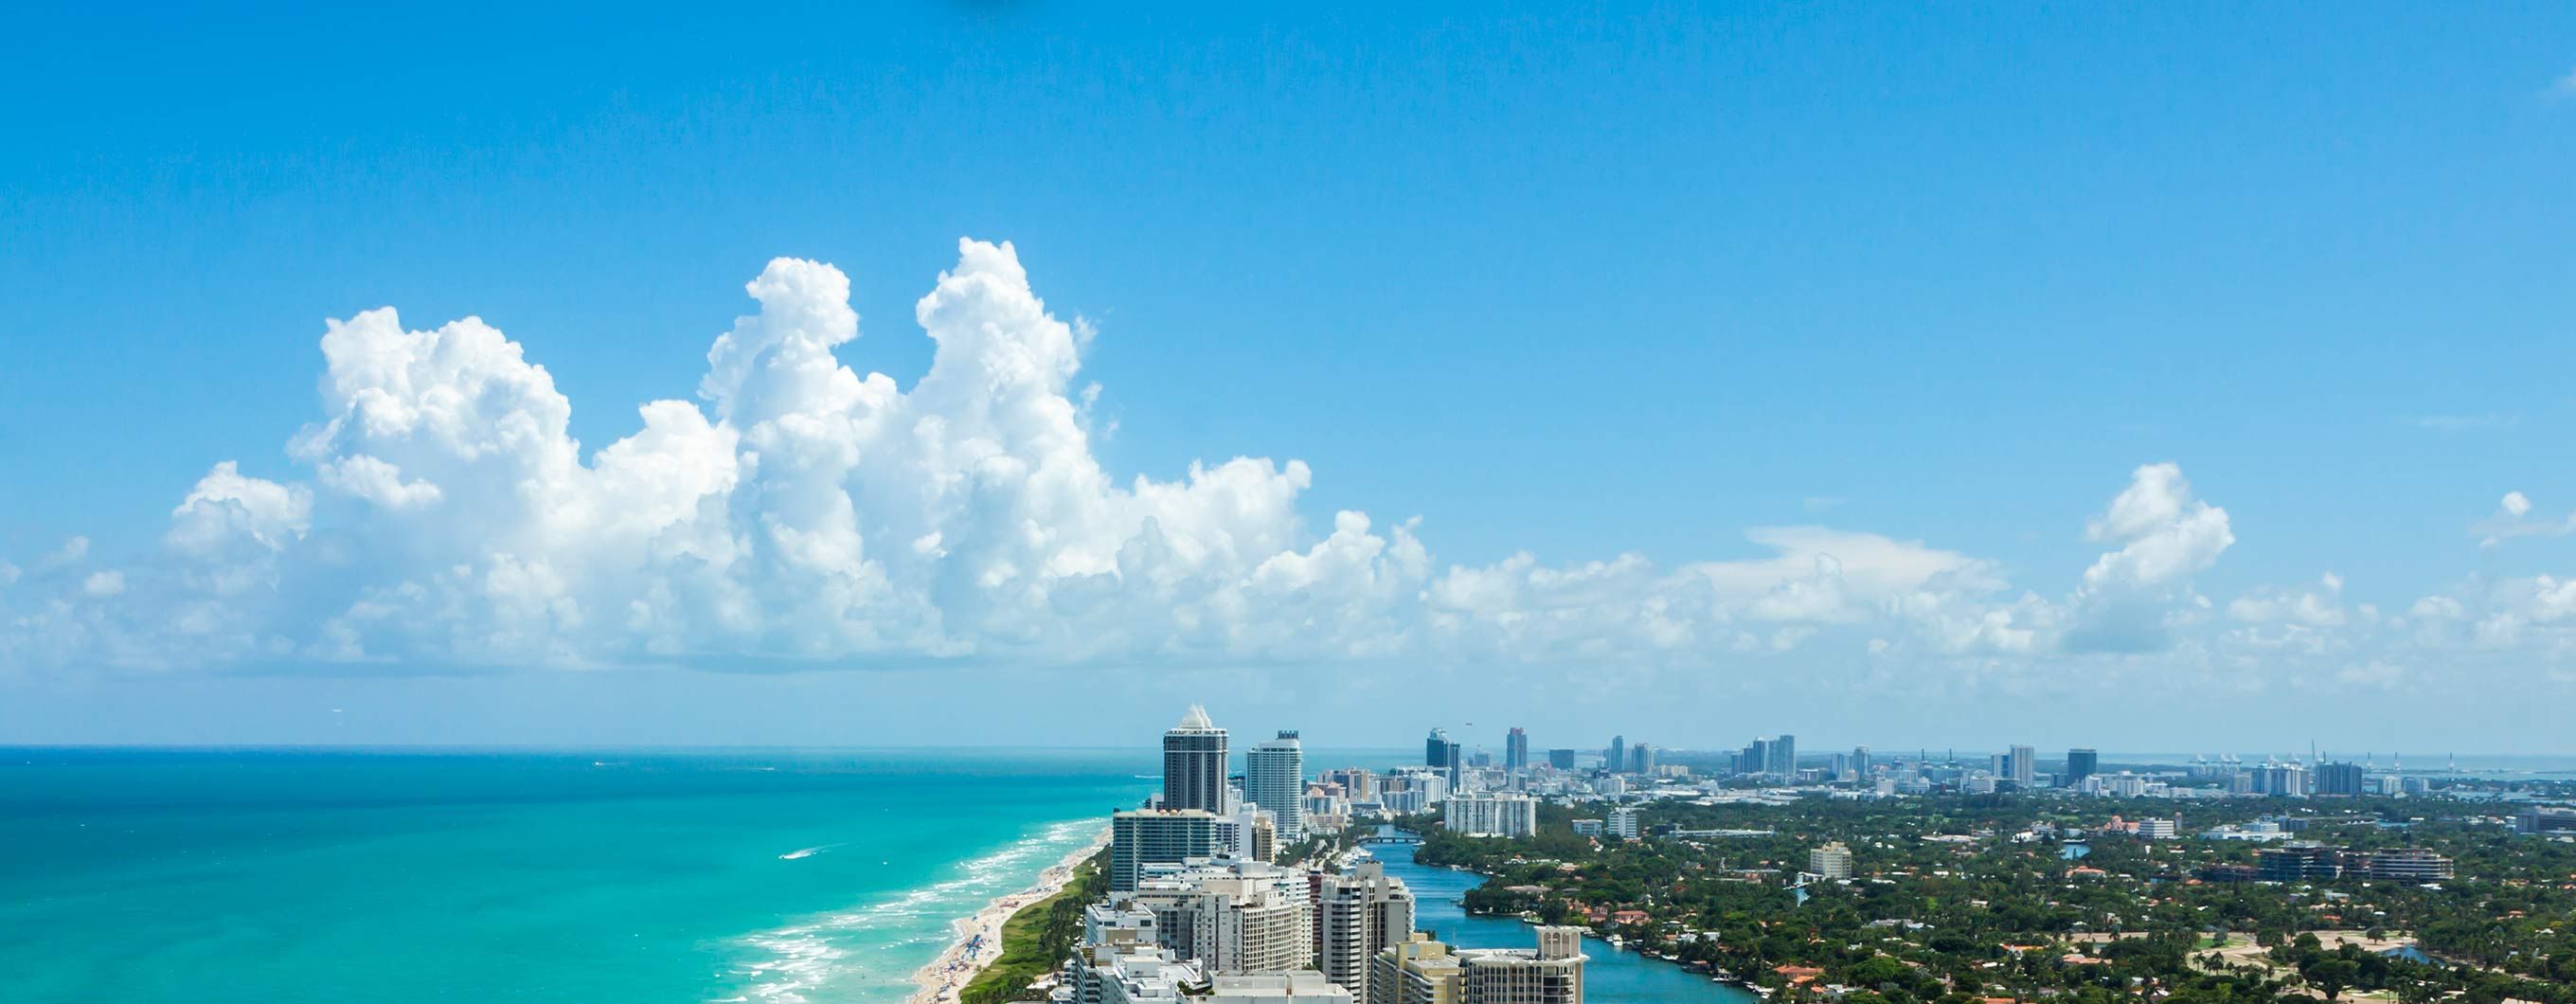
(979, 936)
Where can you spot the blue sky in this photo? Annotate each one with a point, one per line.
(1575, 285)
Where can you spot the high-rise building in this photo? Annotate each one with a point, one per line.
(1274, 778)
(1623, 822)
(1780, 756)
(1357, 915)
(1516, 750)
(1860, 762)
(2023, 766)
(1641, 758)
(2339, 779)
(1443, 754)
(1422, 971)
(1833, 861)
(1561, 759)
(1615, 759)
(1493, 814)
(2081, 764)
(1232, 916)
(1142, 837)
(1194, 760)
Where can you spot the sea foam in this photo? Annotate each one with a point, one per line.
(867, 954)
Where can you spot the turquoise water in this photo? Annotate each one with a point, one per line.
(1612, 976)
(151, 876)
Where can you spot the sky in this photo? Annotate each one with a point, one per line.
(2195, 377)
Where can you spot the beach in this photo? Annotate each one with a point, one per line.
(979, 937)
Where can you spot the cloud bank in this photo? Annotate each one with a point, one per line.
(797, 514)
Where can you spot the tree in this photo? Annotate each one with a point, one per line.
(2330, 975)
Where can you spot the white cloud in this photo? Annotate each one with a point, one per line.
(2512, 519)
(800, 514)
(2133, 599)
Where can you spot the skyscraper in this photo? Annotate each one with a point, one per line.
(1516, 750)
(2081, 764)
(2024, 765)
(1194, 764)
(1780, 756)
(1561, 759)
(1615, 759)
(1274, 778)
(1860, 762)
(1443, 754)
(1357, 915)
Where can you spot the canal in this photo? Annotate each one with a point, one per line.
(1612, 976)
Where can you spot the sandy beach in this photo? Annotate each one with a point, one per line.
(979, 938)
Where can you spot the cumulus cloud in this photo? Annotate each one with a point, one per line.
(797, 513)
(2513, 519)
(2133, 598)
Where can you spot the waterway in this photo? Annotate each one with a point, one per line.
(1613, 976)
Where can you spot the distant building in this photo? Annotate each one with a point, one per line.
(1516, 750)
(1641, 759)
(1587, 827)
(1623, 822)
(1561, 759)
(2546, 819)
(2298, 862)
(1194, 760)
(1833, 861)
(2339, 779)
(2081, 764)
(1274, 778)
(1615, 759)
(1494, 814)
(2023, 768)
(2159, 829)
(2408, 864)
(2286, 780)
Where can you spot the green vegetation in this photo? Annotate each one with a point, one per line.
(1037, 938)
(1958, 898)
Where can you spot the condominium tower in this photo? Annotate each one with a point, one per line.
(1194, 764)
(1274, 778)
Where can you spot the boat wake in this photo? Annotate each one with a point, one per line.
(807, 852)
(868, 953)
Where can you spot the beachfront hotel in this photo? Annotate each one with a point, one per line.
(1194, 764)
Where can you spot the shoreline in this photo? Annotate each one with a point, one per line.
(979, 936)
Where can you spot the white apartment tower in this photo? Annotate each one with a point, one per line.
(1274, 778)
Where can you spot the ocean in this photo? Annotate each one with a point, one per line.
(291, 876)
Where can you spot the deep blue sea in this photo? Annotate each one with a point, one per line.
(144, 877)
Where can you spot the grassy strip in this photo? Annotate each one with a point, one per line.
(1037, 937)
